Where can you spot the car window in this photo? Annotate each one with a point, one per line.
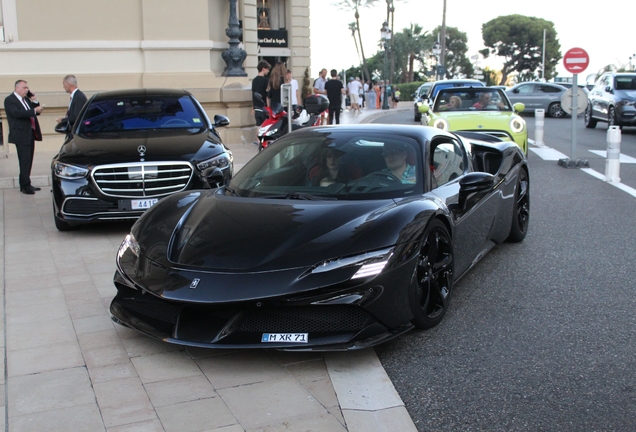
(333, 165)
(542, 88)
(447, 163)
(141, 113)
(625, 83)
(525, 89)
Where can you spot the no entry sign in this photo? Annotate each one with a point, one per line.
(576, 60)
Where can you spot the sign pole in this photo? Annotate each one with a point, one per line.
(575, 61)
(574, 114)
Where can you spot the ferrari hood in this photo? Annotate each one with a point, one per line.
(221, 233)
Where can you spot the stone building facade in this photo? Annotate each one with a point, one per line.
(118, 44)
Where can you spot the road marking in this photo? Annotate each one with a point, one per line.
(623, 158)
(549, 154)
(618, 185)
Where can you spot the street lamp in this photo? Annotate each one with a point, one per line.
(385, 34)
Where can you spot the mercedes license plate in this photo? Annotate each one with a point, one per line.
(143, 204)
(285, 337)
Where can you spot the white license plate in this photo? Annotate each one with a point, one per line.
(285, 337)
(143, 204)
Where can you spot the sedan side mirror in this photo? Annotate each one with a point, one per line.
(515, 91)
(62, 127)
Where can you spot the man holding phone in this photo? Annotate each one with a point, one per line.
(22, 110)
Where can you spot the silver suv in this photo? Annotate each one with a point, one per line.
(612, 100)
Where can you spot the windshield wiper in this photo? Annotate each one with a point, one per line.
(300, 196)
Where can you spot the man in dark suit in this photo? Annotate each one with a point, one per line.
(78, 99)
(22, 109)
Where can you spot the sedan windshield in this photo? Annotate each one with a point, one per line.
(333, 164)
(141, 113)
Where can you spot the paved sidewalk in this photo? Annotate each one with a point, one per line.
(68, 367)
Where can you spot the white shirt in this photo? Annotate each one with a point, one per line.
(294, 91)
(354, 87)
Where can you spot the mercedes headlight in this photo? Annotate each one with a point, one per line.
(221, 161)
(70, 172)
(370, 263)
(517, 124)
(440, 123)
(626, 102)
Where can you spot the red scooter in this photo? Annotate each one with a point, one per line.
(276, 125)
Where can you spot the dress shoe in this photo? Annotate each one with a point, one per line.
(34, 188)
(27, 191)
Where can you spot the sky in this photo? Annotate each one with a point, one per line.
(607, 38)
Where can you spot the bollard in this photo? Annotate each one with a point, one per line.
(539, 121)
(613, 162)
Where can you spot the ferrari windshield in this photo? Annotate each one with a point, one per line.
(141, 113)
(333, 164)
(471, 99)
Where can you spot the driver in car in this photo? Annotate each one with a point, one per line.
(395, 155)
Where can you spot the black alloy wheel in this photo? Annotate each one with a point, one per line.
(590, 122)
(521, 212)
(432, 281)
(555, 110)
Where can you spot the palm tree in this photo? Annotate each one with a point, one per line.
(355, 5)
(353, 28)
(409, 44)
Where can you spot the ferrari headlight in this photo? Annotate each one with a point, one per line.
(70, 172)
(221, 161)
(517, 124)
(129, 244)
(370, 263)
(440, 123)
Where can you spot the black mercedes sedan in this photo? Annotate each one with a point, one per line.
(335, 238)
(129, 149)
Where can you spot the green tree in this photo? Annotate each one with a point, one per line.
(455, 59)
(519, 40)
(408, 46)
(354, 6)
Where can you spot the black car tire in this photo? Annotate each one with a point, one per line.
(590, 122)
(521, 210)
(432, 280)
(555, 110)
(417, 117)
(611, 117)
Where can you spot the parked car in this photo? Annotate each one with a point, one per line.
(129, 149)
(537, 95)
(461, 109)
(279, 260)
(418, 97)
(612, 100)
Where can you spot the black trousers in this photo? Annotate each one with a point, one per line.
(25, 160)
(334, 111)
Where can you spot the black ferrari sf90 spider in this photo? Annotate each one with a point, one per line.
(333, 238)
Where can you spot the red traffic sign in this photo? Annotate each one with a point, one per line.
(576, 60)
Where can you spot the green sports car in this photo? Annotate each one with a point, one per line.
(485, 110)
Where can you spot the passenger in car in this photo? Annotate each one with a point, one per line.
(395, 156)
(330, 170)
